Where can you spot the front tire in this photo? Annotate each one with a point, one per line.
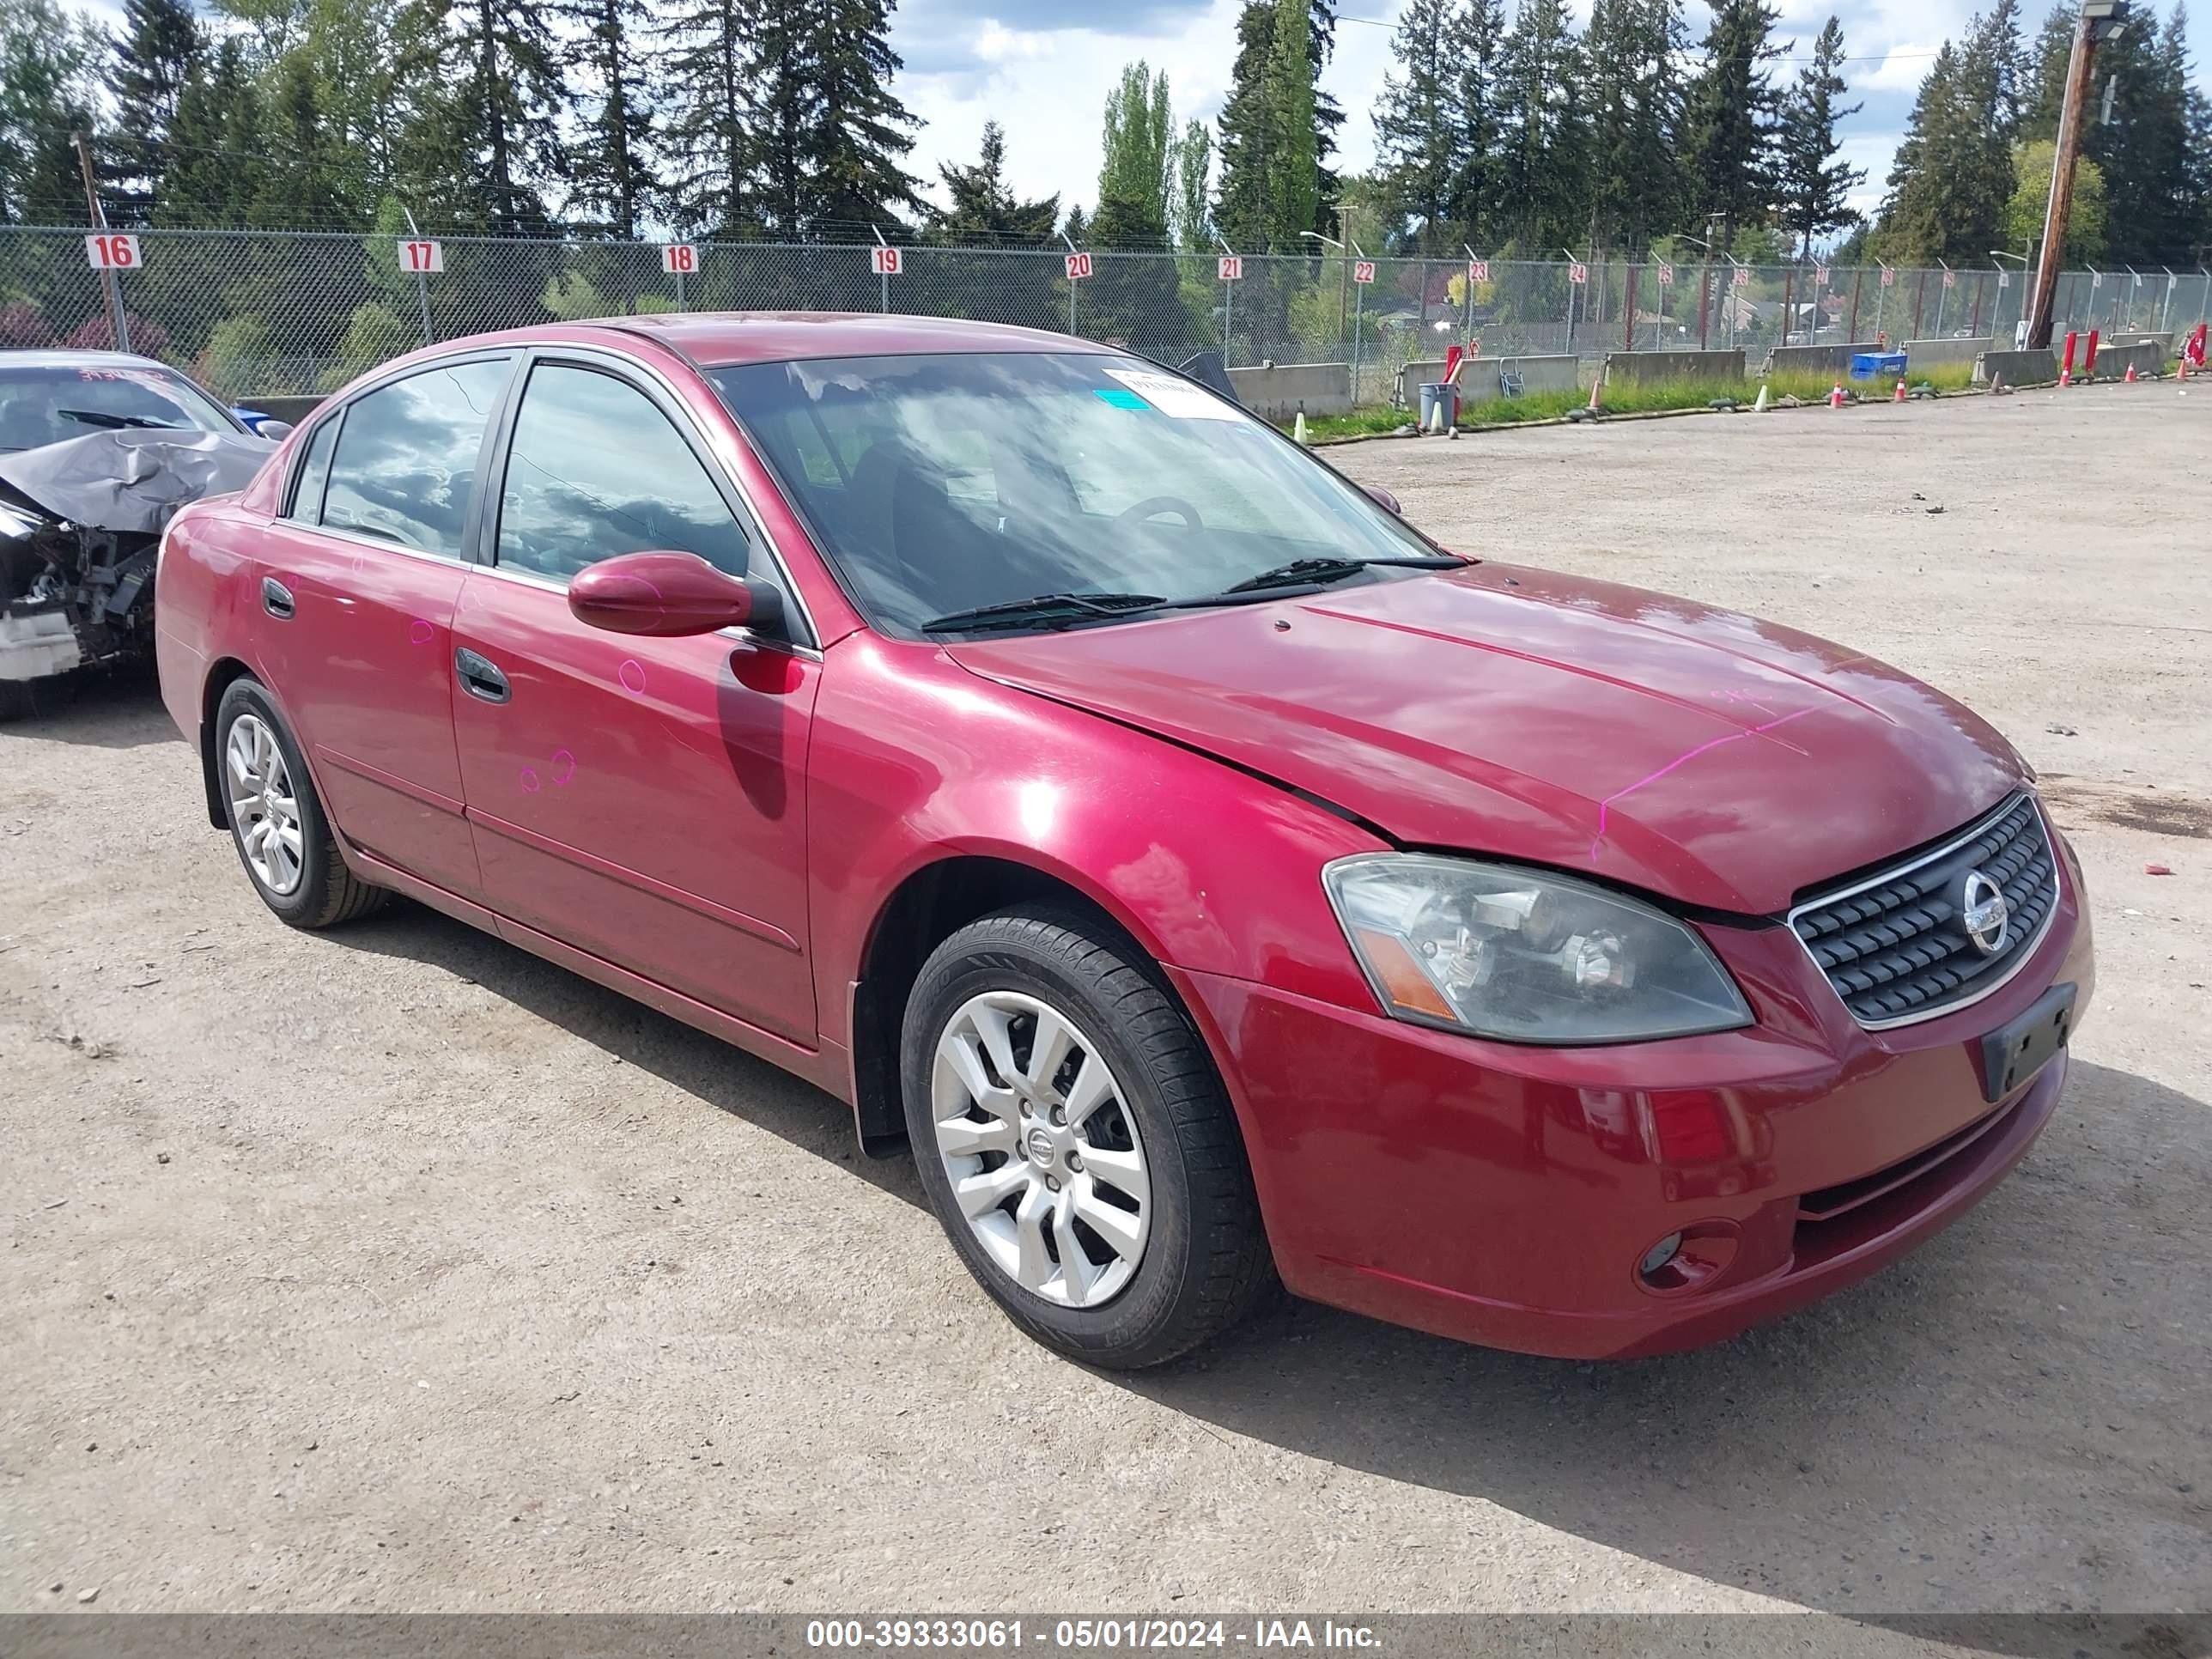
(276, 820)
(1076, 1142)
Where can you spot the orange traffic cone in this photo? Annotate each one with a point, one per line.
(1836, 397)
(1597, 388)
(2130, 377)
(1899, 398)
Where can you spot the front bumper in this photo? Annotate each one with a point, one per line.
(1506, 1195)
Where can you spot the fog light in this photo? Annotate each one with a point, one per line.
(1659, 1254)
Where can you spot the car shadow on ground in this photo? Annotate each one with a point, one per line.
(97, 710)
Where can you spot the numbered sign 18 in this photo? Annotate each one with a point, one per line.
(1078, 266)
(109, 252)
(883, 261)
(421, 258)
(1231, 268)
(1578, 274)
(1665, 275)
(1478, 270)
(680, 258)
(1363, 271)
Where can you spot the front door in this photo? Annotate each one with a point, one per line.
(643, 800)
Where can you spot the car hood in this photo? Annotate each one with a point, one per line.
(131, 481)
(1716, 759)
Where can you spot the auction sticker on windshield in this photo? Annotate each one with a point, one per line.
(1173, 397)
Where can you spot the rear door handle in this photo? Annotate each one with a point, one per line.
(480, 677)
(275, 598)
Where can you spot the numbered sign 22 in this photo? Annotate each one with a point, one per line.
(1231, 268)
(1363, 271)
(680, 258)
(109, 252)
(883, 261)
(1078, 266)
(1478, 270)
(421, 258)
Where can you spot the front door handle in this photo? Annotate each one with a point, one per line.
(480, 677)
(276, 599)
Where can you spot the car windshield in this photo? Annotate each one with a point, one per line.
(45, 405)
(946, 485)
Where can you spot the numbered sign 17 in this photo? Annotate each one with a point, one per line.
(1363, 271)
(109, 252)
(1230, 267)
(1078, 266)
(421, 258)
(1478, 270)
(680, 258)
(883, 261)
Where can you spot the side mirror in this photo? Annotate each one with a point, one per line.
(275, 431)
(668, 594)
(1384, 499)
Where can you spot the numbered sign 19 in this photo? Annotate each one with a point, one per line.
(1578, 275)
(1363, 271)
(883, 261)
(112, 253)
(1078, 266)
(680, 258)
(1478, 270)
(421, 258)
(1230, 267)
(1665, 275)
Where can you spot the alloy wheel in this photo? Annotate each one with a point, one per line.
(262, 805)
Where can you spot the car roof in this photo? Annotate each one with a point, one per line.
(62, 359)
(720, 339)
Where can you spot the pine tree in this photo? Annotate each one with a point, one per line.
(484, 140)
(1732, 118)
(48, 58)
(1271, 179)
(1952, 181)
(705, 70)
(1543, 171)
(1816, 186)
(1635, 95)
(1475, 193)
(215, 172)
(1416, 124)
(983, 205)
(155, 57)
(322, 181)
(2043, 90)
(828, 131)
(611, 167)
(2145, 148)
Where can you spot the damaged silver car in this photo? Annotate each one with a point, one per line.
(97, 449)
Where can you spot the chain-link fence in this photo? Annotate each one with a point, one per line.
(268, 312)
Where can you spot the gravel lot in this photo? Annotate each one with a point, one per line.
(392, 1269)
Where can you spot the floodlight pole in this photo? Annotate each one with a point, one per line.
(2101, 19)
(883, 277)
(421, 281)
(1071, 248)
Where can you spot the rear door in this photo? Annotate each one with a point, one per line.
(359, 586)
(643, 800)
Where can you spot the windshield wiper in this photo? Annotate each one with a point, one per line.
(1319, 572)
(101, 418)
(1041, 608)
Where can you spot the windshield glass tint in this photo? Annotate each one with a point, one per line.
(45, 405)
(943, 483)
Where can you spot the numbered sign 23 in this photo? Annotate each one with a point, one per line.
(1078, 266)
(680, 258)
(421, 258)
(1231, 268)
(109, 252)
(1363, 271)
(1478, 270)
(883, 261)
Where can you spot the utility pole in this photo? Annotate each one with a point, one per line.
(117, 325)
(2100, 21)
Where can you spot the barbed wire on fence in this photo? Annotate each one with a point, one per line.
(268, 313)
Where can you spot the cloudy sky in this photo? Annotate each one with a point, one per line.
(1042, 68)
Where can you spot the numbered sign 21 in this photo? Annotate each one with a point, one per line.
(421, 258)
(1231, 268)
(883, 261)
(1363, 271)
(112, 253)
(680, 258)
(1078, 266)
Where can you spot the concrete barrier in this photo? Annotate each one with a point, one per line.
(1813, 359)
(1480, 379)
(1935, 353)
(283, 405)
(1674, 365)
(2018, 368)
(1279, 391)
(2113, 361)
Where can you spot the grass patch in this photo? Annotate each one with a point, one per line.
(1625, 397)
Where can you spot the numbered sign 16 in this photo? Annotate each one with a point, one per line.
(1078, 266)
(1665, 275)
(1478, 270)
(109, 252)
(680, 258)
(421, 258)
(883, 261)
(1231, 268)
(1363, 271)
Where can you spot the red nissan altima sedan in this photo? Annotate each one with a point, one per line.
(1207, 877)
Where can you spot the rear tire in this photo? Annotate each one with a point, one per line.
(1005, 1026)
(276, 820)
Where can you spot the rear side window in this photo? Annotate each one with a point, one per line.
(405, 467)
(315, 472)
(595, 470)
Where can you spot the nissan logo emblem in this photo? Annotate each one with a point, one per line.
(1984, 914)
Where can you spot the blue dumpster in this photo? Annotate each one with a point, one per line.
(1877, 365)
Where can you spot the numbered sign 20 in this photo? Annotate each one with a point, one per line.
(1363, 271)
(1078, 266)
(421, 258)
(1578, 275)
(680, 258)
(112, 253)
(1231, 268)
(883, 261)
(1478, 270)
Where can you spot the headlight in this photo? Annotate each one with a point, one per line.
(1525, 956)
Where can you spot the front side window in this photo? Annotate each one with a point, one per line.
(405, 467)
(942, 484)
(595, 470)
